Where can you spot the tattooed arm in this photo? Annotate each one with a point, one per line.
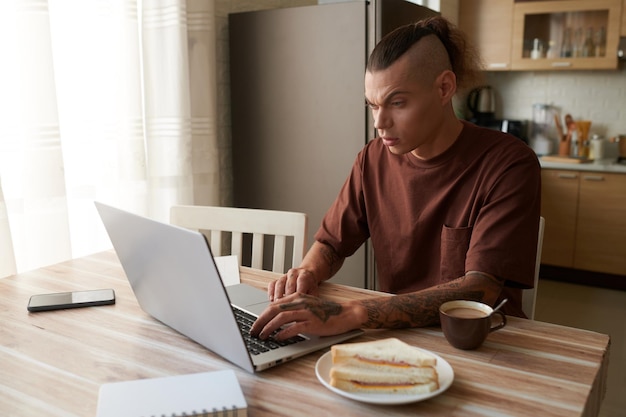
(309, 314)
(421, 308)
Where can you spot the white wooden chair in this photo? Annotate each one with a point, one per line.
(529, 297)
(220, 223)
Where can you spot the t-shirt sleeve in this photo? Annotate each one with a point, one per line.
(344, 226)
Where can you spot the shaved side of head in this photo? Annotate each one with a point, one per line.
(434, 45)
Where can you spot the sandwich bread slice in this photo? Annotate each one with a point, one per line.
(408, 381)
(383, 366)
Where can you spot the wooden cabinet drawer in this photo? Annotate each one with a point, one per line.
(559, 206)
(601, 226)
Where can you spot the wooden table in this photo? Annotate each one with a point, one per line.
(53, 363)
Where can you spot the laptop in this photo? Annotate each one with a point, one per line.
(173, 275)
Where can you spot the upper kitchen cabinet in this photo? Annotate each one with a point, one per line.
(566, 34)
(488, 24)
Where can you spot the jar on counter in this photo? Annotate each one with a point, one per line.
(596, 150)
(620, 145)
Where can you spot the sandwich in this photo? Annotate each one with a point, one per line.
(383, 366)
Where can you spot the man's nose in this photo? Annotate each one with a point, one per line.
(382, 120)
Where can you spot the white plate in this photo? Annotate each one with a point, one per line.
(444, 370)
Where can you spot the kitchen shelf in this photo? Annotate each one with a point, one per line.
(570, 34)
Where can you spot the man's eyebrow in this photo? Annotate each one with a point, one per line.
(388, 98)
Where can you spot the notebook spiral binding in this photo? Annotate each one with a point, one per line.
(224, 412)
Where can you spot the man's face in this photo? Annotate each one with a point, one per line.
(407, 111)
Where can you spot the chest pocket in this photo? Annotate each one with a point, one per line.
(454, 245)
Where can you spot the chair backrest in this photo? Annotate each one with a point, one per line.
(529, 297)
(217, 223)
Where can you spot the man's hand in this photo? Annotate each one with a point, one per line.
(303, 313)
(320, 263)
(295, 280)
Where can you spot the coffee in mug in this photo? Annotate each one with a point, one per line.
(466, 324)
(466, 313)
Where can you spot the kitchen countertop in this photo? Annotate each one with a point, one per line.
(599, 166)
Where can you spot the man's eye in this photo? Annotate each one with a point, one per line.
(397, 103)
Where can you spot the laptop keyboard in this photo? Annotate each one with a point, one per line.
(254, 344)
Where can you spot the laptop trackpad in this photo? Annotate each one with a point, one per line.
(248, 298)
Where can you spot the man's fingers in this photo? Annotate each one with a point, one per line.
(270, 290)
(279, 320)
(291, 286)
(266, 317)
(278, 288)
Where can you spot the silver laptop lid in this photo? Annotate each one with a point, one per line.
(175, 280)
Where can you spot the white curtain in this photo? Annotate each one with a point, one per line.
(108, 100)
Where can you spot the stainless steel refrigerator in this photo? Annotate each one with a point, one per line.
(298, 110)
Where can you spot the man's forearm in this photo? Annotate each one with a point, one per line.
(421, 308)
(322, 260)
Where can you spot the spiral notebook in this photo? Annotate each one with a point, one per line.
(203, 394)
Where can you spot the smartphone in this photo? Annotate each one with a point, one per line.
(74, 299)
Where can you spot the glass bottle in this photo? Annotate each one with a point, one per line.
(601, 42)
(566, 47)
(589, 49)
(552, 52)
(577, 43)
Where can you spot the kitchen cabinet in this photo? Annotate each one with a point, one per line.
(567, 34)
(601, 227)
(585, 221)
(559, 206)
(504, 31)
(488, 25)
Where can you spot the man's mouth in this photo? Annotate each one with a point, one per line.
(389, 141)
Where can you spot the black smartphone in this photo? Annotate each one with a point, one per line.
(74, 299)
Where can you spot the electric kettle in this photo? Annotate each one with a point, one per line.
(481, 102)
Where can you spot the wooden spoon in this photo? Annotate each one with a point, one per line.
(569, 122)
(571, 128)
(565, 138)
(559, 126)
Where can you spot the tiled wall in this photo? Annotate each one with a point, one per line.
(599, 96)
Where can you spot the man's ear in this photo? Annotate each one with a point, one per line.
(446, 82)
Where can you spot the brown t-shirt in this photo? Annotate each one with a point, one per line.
(475, 207)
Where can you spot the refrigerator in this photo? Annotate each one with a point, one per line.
(298, 108)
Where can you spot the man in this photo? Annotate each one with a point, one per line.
(452, 209)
